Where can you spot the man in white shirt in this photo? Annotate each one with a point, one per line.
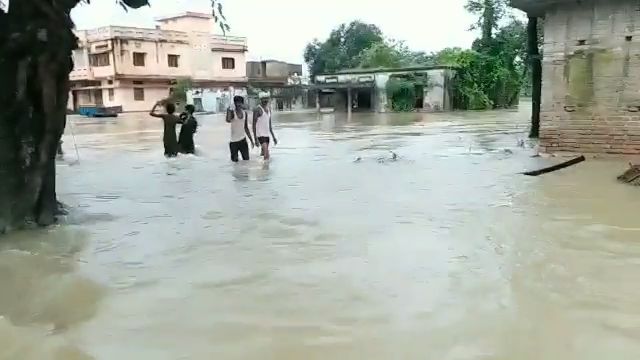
(238, 119)
(262, 127)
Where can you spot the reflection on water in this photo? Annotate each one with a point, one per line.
(43, 295)
(333, 250)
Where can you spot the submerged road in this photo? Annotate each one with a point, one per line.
(445, 253)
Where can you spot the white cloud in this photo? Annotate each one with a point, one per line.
(280, 29)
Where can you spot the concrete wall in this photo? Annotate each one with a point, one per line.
(152, 93)
(123, 95)
(200, 53)
(187, 36)
(238, 72)
(156, 58)
(282, 69)
(188, 22)
(254, 69)
(436, 95)
(591, 78)
(272, 69)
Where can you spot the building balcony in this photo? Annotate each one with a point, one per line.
(83, 73)
(228, 43)
(132, 33)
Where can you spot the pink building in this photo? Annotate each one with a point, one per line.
(132, 68)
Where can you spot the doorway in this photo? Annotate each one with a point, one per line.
(419, 97)
(97, 97)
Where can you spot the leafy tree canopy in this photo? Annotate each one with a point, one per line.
(343, 48)
(359, 45)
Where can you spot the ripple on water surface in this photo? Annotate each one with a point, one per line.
(445, 252)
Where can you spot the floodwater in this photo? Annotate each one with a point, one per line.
(446, 253)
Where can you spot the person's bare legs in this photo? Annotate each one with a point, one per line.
(265, 151)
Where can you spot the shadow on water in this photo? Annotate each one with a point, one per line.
(43, 295)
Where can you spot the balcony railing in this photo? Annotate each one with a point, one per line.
(82, 73)
(110, 32)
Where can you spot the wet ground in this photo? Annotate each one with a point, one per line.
(445, 253)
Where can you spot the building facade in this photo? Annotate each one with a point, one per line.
(591, 75)
(366, 89)
(272, 72)
(282, 80)
(131, 68)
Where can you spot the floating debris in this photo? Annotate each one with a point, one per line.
(631, 176)
(382, 159)
(549, 169)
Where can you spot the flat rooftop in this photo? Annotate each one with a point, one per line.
(188, 14)
(389, 70)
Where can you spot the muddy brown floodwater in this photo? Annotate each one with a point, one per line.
(446, 253)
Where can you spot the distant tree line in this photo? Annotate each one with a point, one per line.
(490, 75)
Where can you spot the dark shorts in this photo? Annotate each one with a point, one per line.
(239, 146)
(263, 140)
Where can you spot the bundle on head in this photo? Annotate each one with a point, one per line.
(631, 176)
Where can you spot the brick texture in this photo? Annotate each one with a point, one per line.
(591, 78)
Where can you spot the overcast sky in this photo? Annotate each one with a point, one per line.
(280, 29)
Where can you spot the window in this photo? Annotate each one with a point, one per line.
(138, 82)
(110, 82)
(111, 94)
(102, 59)
(173, 60)
(228, 63)
(139, 58)
(138, 94)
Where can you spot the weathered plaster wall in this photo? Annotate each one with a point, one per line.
(436, 95)
(591, 78)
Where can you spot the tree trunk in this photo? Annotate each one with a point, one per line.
(536, 75)
(36, 41)
(488, 21)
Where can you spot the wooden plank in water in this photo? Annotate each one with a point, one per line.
(549, 169)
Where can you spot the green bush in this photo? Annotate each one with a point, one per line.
(402, 94)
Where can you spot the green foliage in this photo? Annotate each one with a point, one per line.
(358, 45)
(381, 55)
(401, 90)
(390, 54)
(180, 89)
(343, 47)
(492, 74)
(489, 13)
(402, 94)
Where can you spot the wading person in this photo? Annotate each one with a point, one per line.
(170, 120)
(59, 151)
(262, 127)
(188, 129)
(238, 119)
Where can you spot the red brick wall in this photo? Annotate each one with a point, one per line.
(615, 133)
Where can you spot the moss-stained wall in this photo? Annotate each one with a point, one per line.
(591, 78)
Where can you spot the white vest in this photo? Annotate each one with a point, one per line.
(237, 126)
(262, 125)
